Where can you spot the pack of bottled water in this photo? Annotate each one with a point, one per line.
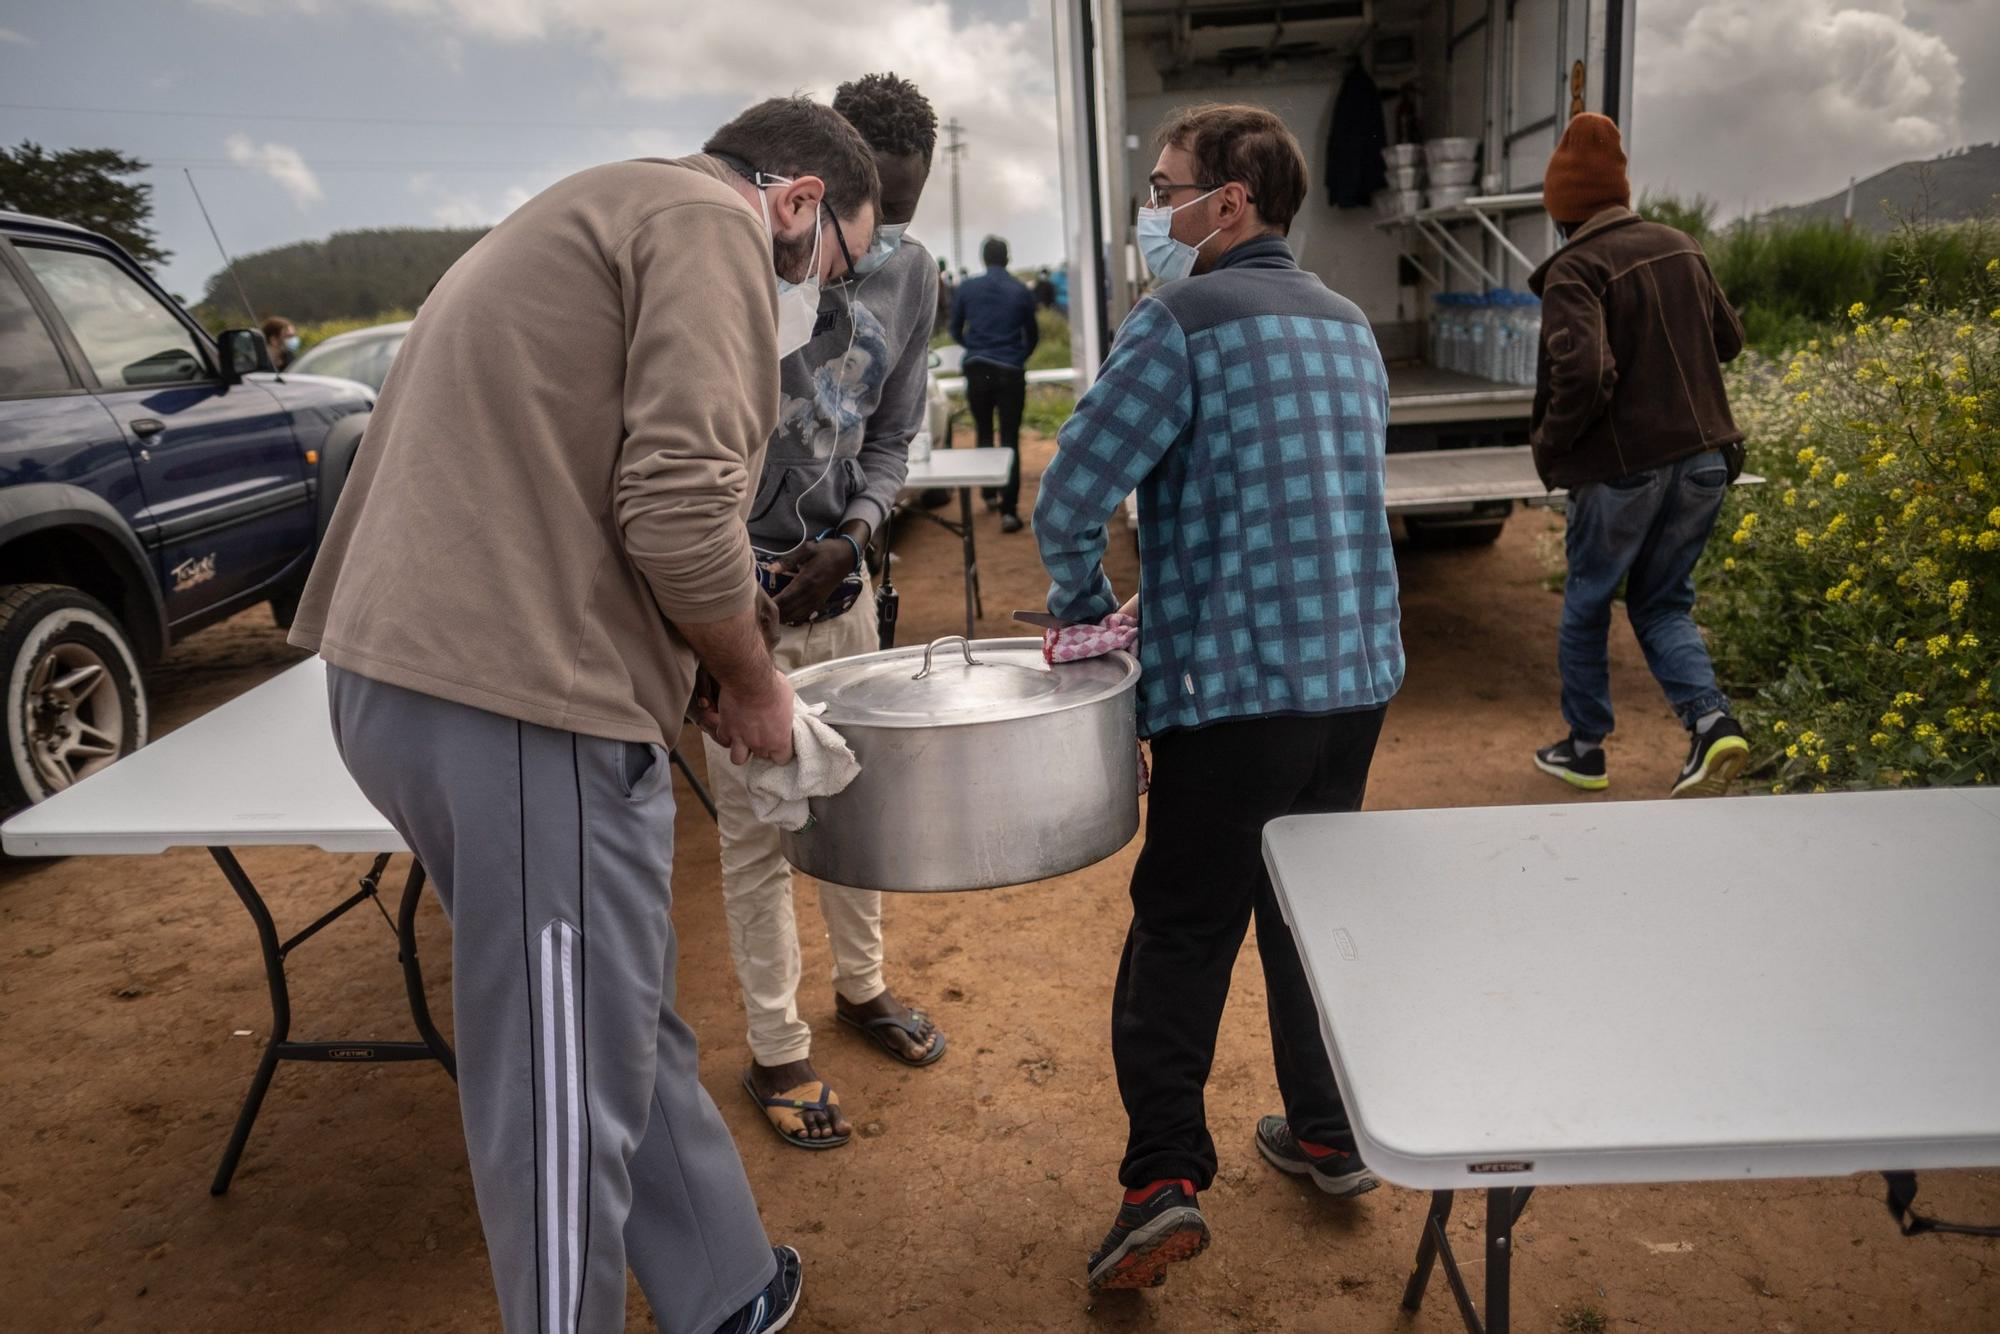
(1492, 335)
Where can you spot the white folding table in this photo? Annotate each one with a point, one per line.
(959, 470)
(1653, 991)
(260, 770)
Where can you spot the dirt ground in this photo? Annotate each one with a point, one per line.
(132, 1006)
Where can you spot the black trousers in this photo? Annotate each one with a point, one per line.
(1199, 881)
(1003, 391)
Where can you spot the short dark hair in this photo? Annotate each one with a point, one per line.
(890, 113)
(1243, 143)
(993, 251)
(796, 136)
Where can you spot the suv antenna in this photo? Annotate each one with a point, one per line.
(228, 264)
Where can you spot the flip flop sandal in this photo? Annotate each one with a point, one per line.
(787, 1106)
(873, 1030)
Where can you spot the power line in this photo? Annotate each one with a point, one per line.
(314, 164)
(301, 118)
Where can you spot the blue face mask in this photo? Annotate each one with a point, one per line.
(292, 343)
(1167, 258)
(888, 240)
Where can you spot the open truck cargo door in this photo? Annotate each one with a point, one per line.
(1504, 76)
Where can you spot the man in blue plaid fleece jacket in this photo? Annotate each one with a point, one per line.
(1246, 405)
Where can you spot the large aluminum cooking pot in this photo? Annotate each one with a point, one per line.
(981, 766)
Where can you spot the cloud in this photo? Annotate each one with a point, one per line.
(281, 163)
(1766, 102)
(1968, 27)
(994, 75)
(256, 7)
(450, 207)
(9, 37)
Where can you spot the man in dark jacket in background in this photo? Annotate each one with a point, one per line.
(1632, 417)
(993, 319)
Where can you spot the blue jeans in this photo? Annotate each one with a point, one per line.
(1646, 531)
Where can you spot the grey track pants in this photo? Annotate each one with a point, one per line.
(593, 1145)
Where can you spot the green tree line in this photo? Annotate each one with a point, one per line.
(1791, 278)
(84, 186)
(349, 275)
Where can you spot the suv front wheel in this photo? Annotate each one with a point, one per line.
(75, 701)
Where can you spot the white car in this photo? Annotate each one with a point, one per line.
(937, 407)
(363, 355)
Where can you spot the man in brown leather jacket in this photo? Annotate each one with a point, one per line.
(1631, 415)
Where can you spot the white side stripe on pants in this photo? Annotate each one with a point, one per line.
(565, 1287)
(570, 1038)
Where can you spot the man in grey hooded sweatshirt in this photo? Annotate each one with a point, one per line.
(850, 401)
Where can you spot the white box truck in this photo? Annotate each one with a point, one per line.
(1502, 77)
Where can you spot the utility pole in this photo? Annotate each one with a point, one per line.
(954, 150)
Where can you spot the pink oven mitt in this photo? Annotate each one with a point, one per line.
(1074, 643)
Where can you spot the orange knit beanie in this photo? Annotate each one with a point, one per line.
(1586, 173)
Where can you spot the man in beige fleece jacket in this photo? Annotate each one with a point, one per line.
(543, 534)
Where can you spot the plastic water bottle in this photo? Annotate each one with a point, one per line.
(1530, 313)
(1441, 313)
(1485, 338)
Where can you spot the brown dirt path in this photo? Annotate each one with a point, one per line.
(975, 1188)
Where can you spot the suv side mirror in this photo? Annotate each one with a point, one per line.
(243, 351)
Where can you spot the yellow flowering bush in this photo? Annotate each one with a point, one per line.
(1854, 607)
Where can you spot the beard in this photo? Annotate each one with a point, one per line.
(791, 257)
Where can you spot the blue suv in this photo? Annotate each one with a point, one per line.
(153, 481)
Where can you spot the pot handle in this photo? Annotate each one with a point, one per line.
(964, 644)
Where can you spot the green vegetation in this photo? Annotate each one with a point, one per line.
(1054, 350)
(321, 330)
(82, 186)
(348, 276)
(1853, 601)
(1790, 280)
(1048, 407)
(1582, 1320)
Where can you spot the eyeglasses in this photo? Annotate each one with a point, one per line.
(840, 239)
(762, 179)
(1160, 193)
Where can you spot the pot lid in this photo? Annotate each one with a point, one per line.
(950, 682)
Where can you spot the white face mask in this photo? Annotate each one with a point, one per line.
(888, 239)
(1167, 258)
(798, 303)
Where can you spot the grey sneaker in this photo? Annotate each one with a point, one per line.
(773, 1308)
(1338, 1172)
(1157, 1226)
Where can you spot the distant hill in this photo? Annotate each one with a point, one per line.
(1945, 189)
(348, 275)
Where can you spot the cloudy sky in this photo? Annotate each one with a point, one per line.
(303, 117)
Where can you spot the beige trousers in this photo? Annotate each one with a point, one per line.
(757, 881)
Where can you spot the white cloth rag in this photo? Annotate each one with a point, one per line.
(821, 766)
